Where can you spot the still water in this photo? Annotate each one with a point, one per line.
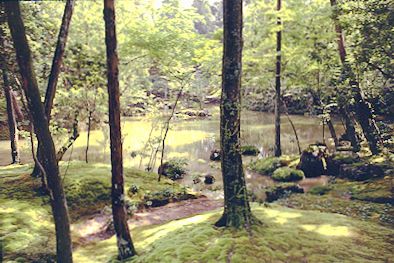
(189, 139)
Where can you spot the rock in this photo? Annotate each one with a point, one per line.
(312, 160)
(281, 191)
(215, 155)
(335, 161)
(209, 179)
(360, 171)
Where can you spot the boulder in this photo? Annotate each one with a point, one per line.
(209, 179)
(249, 150)
(215, 155)
(335, 161)
(360, 171)
(312, 160)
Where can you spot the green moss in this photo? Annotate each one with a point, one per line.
(286, 174)
(249, 150)
(319, 190)
(286, 235)
(266, 166)
(26, 226)
(174, 169)
(380, 213)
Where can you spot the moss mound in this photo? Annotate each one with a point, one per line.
(286, 174)
(287, 235)
(319, 190)
(266, 166)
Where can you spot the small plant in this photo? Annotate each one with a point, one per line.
(286, 174)
(249, 150)
(319, 190)
(174, 169)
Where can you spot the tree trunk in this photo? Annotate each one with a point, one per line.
(55, 69)
(57, 197)
(350, 130)
(363, 111)
(237, 211)
(11, 114)
(331, 128)
(278, 149)
(88, 136)
(125, 244)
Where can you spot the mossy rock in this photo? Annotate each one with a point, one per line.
(286, 174)
(267, 165)
(312, 161)
(360, 171)
(319, 190)
(281, 191)
(174, 169)
(336, 160)
(249, 150)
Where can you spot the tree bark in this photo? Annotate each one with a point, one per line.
(331, 128)
(88, 135)
(124, 242)
(36, 108)
(362, 109)
(55, 69)
(237, 211)
(278, 149)
(10, 102)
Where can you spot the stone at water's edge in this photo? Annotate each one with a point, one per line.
(209, 179)
(311, 161)
(360, 171)
(215, 155)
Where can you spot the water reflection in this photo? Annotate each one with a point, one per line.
(192, 140)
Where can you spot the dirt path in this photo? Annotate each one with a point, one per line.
(98, 227)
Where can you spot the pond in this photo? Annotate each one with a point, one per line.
(192, 140)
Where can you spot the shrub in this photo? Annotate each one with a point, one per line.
(286, 174)
(249, 150)
(174, 169)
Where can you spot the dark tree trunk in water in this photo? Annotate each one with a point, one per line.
(11, 114)
(236, 204)
(125, 244)
(363, 111)
(36, 108)
(332, 131)
(350, 130)
(278, 149)
(55, 69)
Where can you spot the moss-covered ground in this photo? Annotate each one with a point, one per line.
(26, 228)
(343, 223)
(286, 235)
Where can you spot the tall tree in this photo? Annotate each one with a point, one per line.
(11, 114)
(36, 108)
(237, 211)
(278, 149)
(362, 108)
(55, 69)
(125, 244)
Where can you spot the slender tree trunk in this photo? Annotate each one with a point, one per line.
(55, 69)
(237, 211)
(331, 128)
(363, 111)
(350, 130)
(278, 149)
(88, 136)
(125, 244)
(36, 108)
(11, 114)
